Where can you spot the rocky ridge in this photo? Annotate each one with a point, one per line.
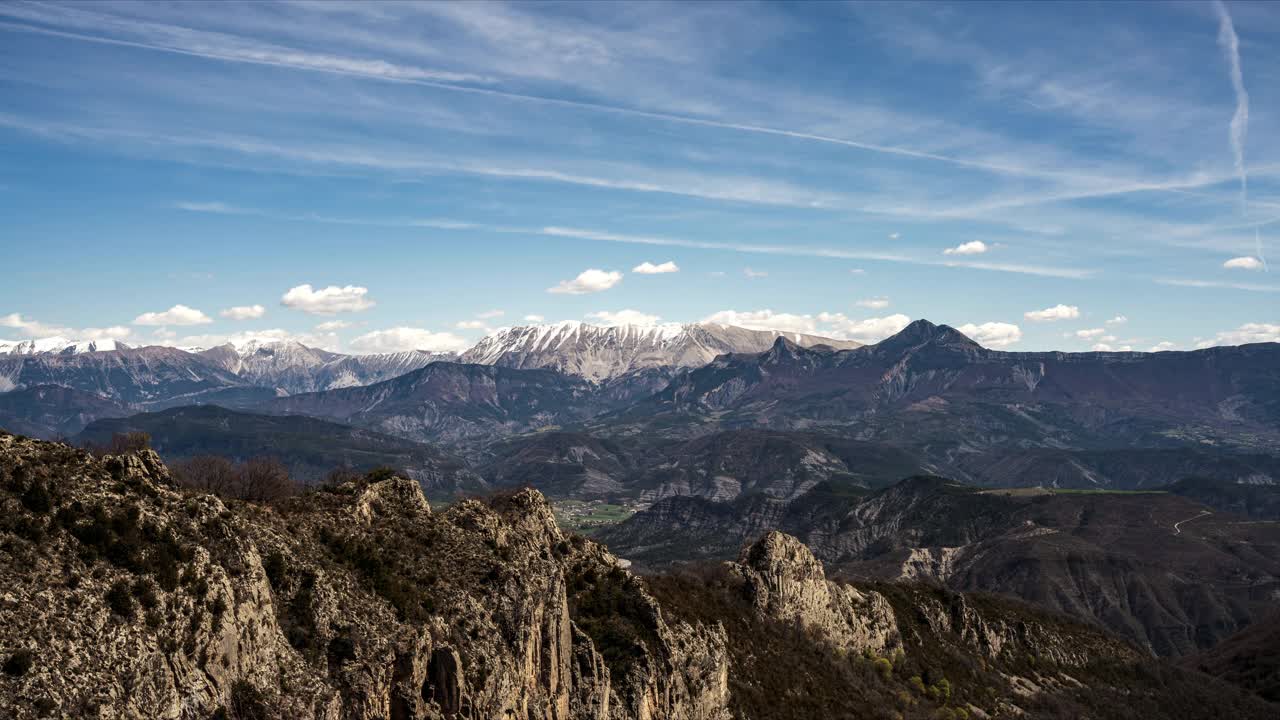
(128, 597)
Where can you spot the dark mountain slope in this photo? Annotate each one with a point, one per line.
(561, 464)
(49, 411)
(931, 385)
(310, 448)
(451, 402)
(1257, 501)
(1250, 659)
(1122, 469)
(138, 376)
(1156, 568)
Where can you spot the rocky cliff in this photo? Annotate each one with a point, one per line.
(124, 596)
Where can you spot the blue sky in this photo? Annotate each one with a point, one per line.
(367, 176)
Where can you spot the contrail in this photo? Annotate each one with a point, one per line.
(1239, 128)
(1240, 120)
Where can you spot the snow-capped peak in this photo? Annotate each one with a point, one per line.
(599, 352)
(58, 345)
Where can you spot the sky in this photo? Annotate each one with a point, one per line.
(374, 177)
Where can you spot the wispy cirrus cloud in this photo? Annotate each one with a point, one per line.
(1239, 127)
(1193, 283)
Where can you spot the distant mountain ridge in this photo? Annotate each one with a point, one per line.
(295, 368)
(1132, 562)
(602, 352)
(933, 383)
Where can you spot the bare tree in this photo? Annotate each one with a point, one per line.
(208, 473)
(264, 480)
(121, 443)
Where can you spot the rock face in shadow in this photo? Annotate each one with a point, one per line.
(127, 597)
(783, 580)
(1169, 574)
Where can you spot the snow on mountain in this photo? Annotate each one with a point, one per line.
(602, 352)
(294, 368)
(58, 345)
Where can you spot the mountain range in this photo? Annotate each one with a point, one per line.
(927, 396)
(599, 353)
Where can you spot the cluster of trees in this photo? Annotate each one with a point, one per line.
(258, 479)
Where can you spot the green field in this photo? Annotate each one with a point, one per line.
(587, 517)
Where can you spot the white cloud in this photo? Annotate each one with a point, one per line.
(332, 325)
(753, 274)
(1102, 347)
(115, 332)
(471, 325)
(624, 317)
(588, 281)
(1245, 334)
(534, 318)
(327, 301)
(834, 325)
(1163, 345)
(717, 273)
(176, 315)
(490, 314)
(244, 312)
(1247, 262)
(400, 339)
(992, 334)
(818, 252)
(765, 320)
(878, 303)
(868, 331)
(1118, 320)
(1090, 333)
(857, 271)
(648, 268)
(894, 236)
(1050, 314)
(973, 247)
(32, 328)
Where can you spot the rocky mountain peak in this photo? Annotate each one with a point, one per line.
(783, 580)
(599, 353)
(922, 333)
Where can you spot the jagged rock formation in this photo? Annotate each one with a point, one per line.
(599, 353)
(783, 580)
(803, 646)
(1115, 559)
(126, 597)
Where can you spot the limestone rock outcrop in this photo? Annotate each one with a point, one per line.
(785, 581)
(125, 596)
